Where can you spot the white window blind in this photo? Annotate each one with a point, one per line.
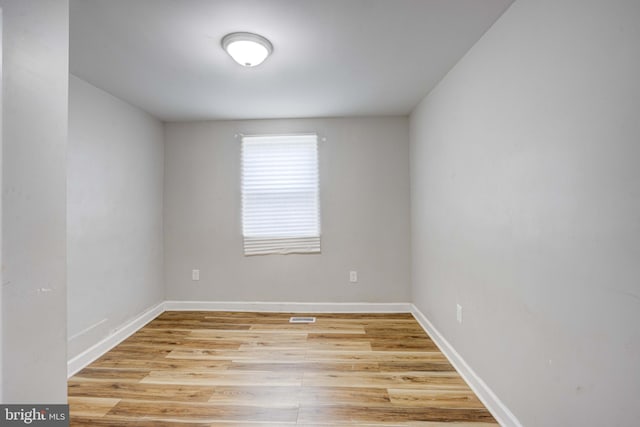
(280, 194)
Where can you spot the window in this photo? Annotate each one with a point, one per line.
(280, 194)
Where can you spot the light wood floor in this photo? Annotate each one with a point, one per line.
(252, 369)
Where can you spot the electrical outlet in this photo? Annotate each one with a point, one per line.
(459, 313)
(195, 274)
(353, 276)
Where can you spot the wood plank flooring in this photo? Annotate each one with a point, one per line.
(256, 369)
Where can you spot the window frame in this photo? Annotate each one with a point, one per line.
(285, 243)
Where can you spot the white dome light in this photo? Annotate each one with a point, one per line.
(247, 49)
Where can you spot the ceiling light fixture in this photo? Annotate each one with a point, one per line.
(247, 49)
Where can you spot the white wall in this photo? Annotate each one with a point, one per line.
(526, 210)
(364, 182)
(114, 213)
(1, 139)
(34, 139)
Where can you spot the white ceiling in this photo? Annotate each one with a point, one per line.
(331, 57)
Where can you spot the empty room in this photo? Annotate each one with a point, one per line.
(320, 213)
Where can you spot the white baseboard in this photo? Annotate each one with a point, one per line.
(297, 307)
(498, 409)
(82, 360)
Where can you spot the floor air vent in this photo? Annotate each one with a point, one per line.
(302, 320)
